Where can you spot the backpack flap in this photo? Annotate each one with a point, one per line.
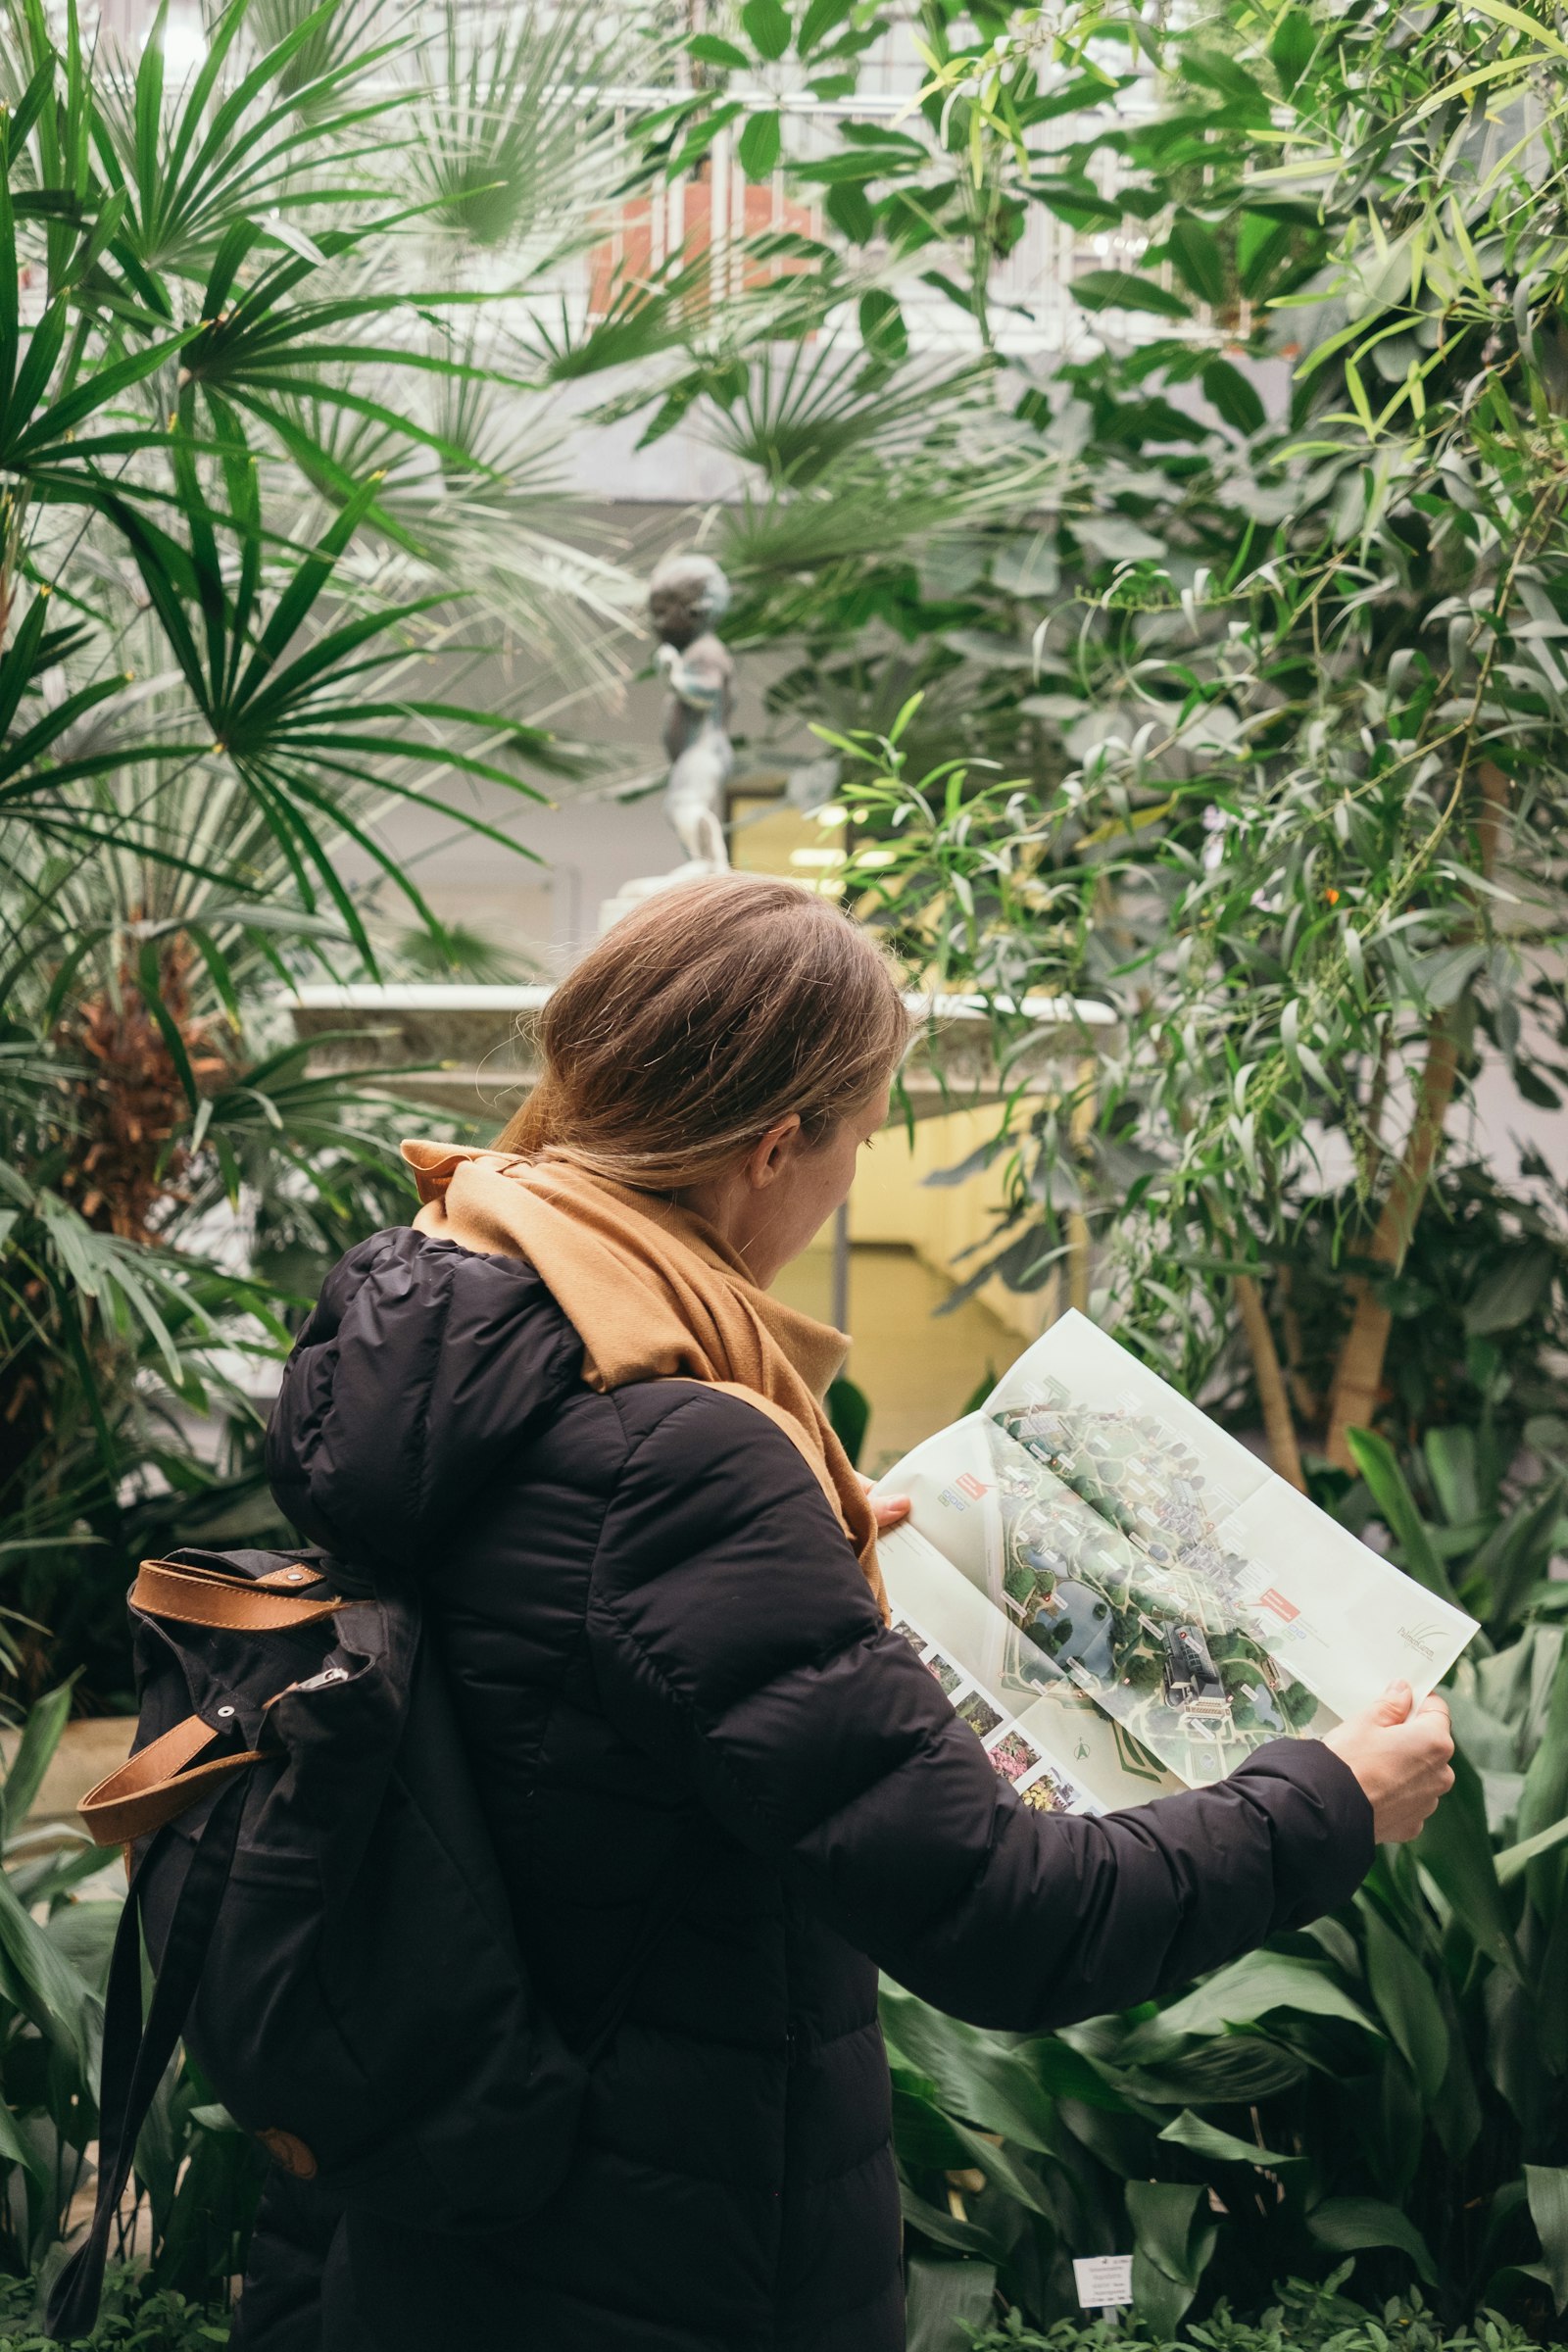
(329, 2017)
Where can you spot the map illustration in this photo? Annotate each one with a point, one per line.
(1121, 1599)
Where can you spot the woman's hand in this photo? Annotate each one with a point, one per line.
(1399, 1754)
(889, 1508)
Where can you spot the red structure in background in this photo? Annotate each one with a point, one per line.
(717, 215)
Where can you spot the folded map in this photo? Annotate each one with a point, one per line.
(1121, 1599)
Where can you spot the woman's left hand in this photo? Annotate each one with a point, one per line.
(890, 1509)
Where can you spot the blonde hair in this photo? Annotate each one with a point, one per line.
(702, 1019)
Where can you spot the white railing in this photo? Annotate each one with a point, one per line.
(1031, 308)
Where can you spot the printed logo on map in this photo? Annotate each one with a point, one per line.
(1420, 1638)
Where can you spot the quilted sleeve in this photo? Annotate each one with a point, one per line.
(733, 1636)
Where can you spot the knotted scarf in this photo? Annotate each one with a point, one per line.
(653, 1293)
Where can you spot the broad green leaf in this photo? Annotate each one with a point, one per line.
(1234, 395)
(1516, 1555)
(1451, 1461)
(1241, 1995)
(999, 2087)
(1455, 1848)
(1348, 2224)
(759, 145)
(929, 2141)
(1195, 249)
(1172, 2242)
(713, 51)
(1502, 1299)
(1543, 1800)
(1546, 2186)
(819, 21)
(882, 328)
(59, 2003)
(1406, 2002)
(766, 25)
(1189, 2130)
(944, 2298)
(15, 2149)
(1379, 1465)
(1292, 46)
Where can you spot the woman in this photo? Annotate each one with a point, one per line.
(566, 1398)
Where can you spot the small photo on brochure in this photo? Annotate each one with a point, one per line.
(1014, 1756)
(980, 1715)
(1050, 1793)
(948, 1675)
(912, 1633)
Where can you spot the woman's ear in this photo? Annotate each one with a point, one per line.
(771, 1151)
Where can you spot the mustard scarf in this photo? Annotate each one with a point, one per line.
(653, 1293)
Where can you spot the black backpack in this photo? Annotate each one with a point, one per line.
(323, 1910)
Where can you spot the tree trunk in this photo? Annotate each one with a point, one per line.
(1080, 1254)
(1278, 1426)
(1359, 1374)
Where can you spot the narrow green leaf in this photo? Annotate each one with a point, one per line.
(167, 1027)
(1514, 1858)
(40, 1737)
(1122, 291)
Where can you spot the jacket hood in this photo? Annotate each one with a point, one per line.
(420, 1367)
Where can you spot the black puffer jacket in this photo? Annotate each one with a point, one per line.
(662, 1640)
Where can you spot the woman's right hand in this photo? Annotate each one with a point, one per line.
(1399, 1754)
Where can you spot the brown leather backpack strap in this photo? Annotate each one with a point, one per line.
(203, 1597)
(152, 1787)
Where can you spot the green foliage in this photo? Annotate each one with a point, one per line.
(270, 491)
(1210, 676)
(1312, 2318)
(1233, 637)
(848, 1408)
(197, 2176)
(1392, 2082)
(134, 2317)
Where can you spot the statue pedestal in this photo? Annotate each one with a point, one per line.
(649, 886)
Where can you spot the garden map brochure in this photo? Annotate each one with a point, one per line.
(1121, 1599)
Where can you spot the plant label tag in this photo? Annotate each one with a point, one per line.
(1105, 2282)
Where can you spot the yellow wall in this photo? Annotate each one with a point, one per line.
(891, 1202)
